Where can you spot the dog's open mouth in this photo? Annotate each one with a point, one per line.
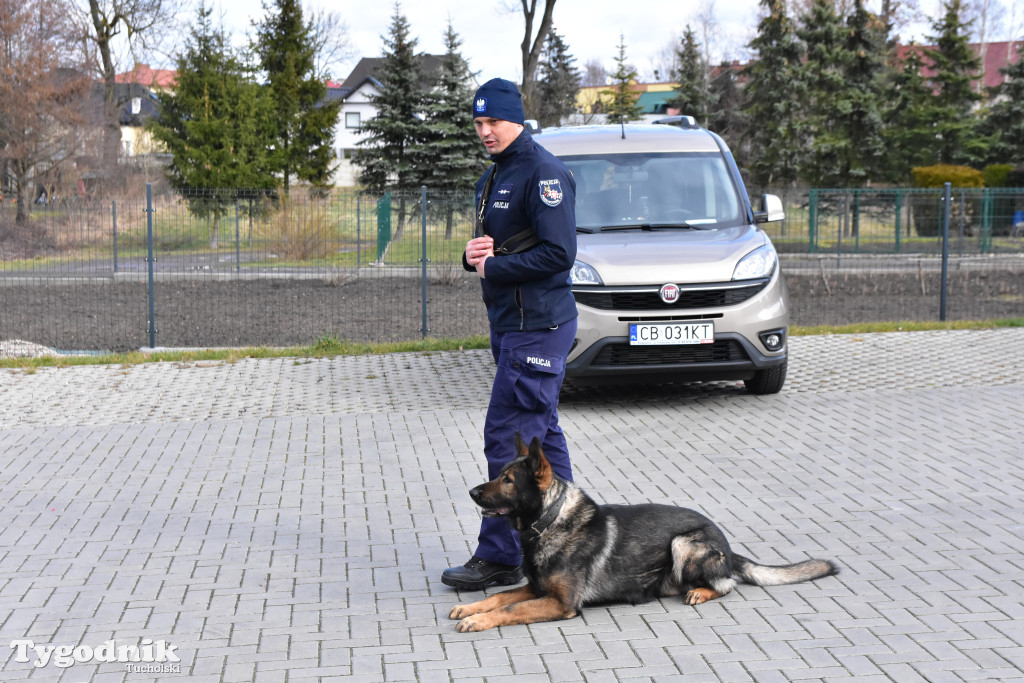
(495, 512)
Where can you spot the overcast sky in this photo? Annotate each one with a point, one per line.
(491, 33)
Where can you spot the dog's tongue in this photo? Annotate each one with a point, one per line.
(494, 512)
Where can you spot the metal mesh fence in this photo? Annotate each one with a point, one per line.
(876, 255)
(898, 220)
(238, 268)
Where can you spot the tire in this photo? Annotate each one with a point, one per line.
(768, 381)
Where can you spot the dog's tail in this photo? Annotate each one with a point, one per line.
(777, 575)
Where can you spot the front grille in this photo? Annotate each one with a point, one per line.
(640, 300)
(721, 351)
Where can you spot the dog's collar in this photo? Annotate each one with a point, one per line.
(550, 515)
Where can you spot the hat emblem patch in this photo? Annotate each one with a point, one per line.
(481, 104)
(551, 192)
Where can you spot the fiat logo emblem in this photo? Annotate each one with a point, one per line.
(669, 293)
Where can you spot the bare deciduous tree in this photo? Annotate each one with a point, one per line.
(331, 42)
(898, 13)
(531, 47)
(110, 27)
(42, 91)
(594, 73)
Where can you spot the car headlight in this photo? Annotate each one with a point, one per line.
(583, 274)
(759, 263)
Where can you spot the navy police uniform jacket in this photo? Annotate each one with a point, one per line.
(530, 290)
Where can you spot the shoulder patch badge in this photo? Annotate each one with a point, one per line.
(551, 192)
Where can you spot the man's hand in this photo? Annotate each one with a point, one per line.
(478, 250)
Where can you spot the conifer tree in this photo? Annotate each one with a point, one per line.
(385, 160)
(775, 137)
(304, 118)
(726, 117)
(1005, 122)
(388, 159)
(693, 95)
(842, 72)
(623, 107)
(558, 83)
(826, 158)
(908, 119)
(865, 73)
(955, 66)
(450, 158)
(215, 123)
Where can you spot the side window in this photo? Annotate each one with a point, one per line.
(352, 119)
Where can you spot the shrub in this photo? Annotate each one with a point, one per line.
(997, 175)
(938, 175)
(927, 208)
(298, 230)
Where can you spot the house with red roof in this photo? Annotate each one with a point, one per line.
(154, 79)
(137, 90)
(993, 57)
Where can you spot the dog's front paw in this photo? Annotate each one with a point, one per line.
(699, 596)
(477, 622)
(458, 611)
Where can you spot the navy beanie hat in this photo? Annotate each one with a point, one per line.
(499, 99)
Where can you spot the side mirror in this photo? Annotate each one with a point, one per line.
(770, 211)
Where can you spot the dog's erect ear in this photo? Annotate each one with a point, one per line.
(521, 449)
(539, 464)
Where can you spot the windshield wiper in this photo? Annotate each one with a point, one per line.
(658, 226)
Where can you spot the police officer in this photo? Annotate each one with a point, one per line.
(527, 247)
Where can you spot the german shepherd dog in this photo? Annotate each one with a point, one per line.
(576, 552)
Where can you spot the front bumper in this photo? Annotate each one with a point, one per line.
(731, 357)
(602, 346)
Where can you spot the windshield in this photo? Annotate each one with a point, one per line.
(686, 189)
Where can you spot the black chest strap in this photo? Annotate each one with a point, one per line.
(517, 243)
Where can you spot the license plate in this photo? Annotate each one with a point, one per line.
(645, 334)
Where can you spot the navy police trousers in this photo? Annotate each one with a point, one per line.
(524, 398)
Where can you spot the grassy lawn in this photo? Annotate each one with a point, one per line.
(327, 347)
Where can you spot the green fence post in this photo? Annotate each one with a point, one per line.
(383, 225)
(812, 224)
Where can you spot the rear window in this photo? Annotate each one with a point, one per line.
(625, 189)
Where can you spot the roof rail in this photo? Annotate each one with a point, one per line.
(682, 121)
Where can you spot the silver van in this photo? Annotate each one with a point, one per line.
(674, 280)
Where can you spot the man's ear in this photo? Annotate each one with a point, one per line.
(539, 464)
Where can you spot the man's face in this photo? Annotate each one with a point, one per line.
(496, 134)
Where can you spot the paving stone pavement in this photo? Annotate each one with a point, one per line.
(288, 519)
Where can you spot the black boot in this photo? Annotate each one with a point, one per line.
(477, 574)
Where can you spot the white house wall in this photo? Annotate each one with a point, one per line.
(346, 139)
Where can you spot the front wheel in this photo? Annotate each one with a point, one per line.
(768, 381)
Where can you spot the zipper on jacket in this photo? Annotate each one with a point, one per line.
(522, 309)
